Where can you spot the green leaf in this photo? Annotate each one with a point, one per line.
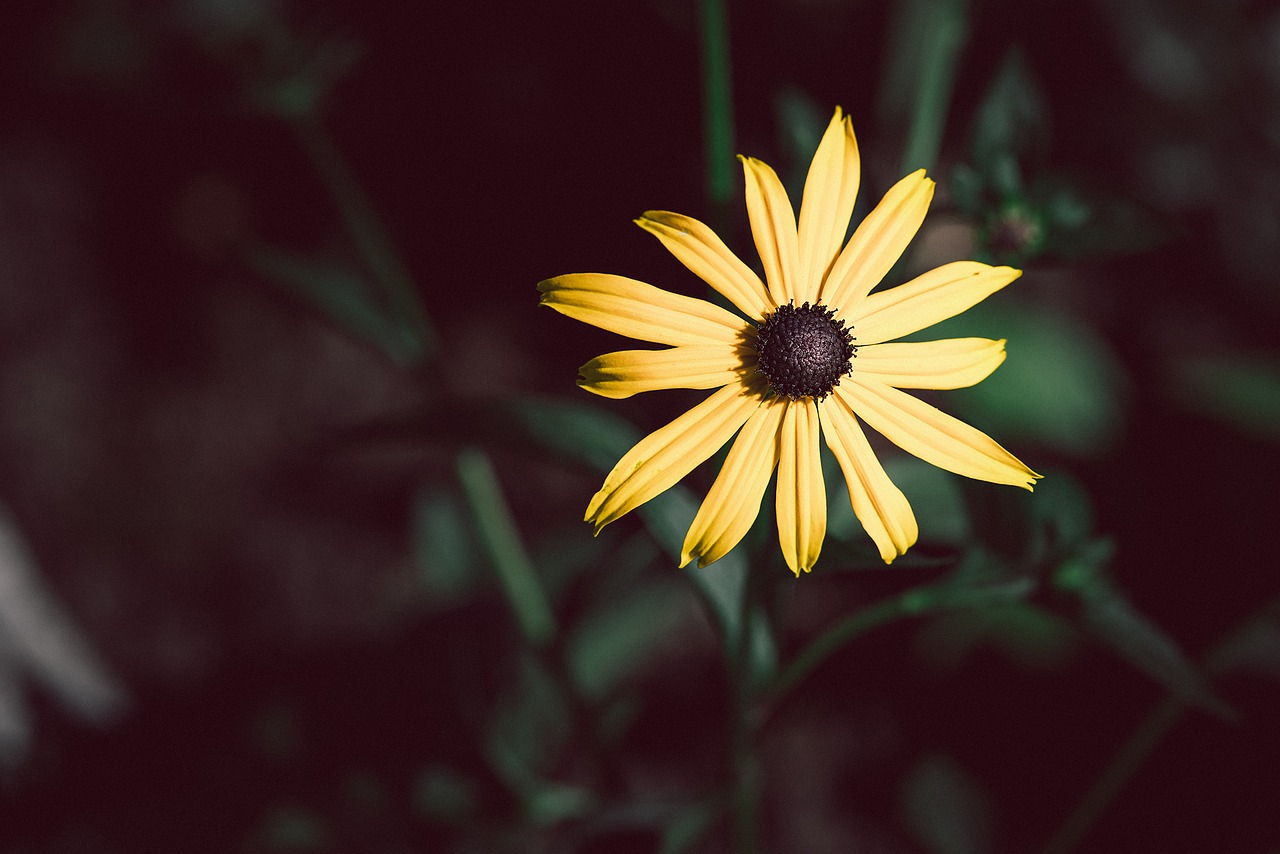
(615, 639)
(1243, 391)
(946, 809)
(1061, 385)
(443, 544)
(1027, 634)
(1109, 616)
(579, 431)
(1142, 643)
(723, 584)
(1088, 222)
(1011, 130)
(442, 794)
(925, 42)
(339, 294)
(1254, 648)
(501, 539)
(599, 439)
(527, 734)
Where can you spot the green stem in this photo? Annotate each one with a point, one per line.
(717, 104)
(834, 638)
(746, 764)
(1135, 751)
(502, 541)
(1120, 770)
(366, 230)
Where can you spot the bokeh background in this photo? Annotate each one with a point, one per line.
(280, 422)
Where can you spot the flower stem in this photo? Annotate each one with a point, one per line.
(747, 778)
(1144, 740)
(366, 230)
(1122, 767)
(717, 104)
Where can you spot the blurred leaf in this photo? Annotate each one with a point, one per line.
(40, 642)
(527, 733)
(292, 829)
(687, 827)
(925, 40)
(935, 498)
(1011, 130)
(1109, 616)
(723, 584)
(1061, 385)
(801, 123)
(502, 540)
(339, 294)
(1240, 390)
(614, 640)
(1088, 222)
(1144, 645)
(593, 436)
(579, 431)
(946, 809)
(717, 101)
(443, 794)
(442, 544)
(1025, 633)
(1062, 514)
(1254, 648)
(979, 579)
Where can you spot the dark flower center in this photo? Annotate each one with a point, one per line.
(804, 351)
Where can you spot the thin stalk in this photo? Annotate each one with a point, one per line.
(1121, 769)
(367, 231)
(920, 600)
(1139, 746)
(717, 105)
(746, 763)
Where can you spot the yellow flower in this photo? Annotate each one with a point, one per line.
(811, 357)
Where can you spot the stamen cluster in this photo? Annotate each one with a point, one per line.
(804, 351)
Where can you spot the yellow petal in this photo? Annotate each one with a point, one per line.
(641, 311)
(773, 225)
(629, 372)
(829, 193)
(927, 299)
(802, 496)
(880, 506)
(949, 363)
(734, 500)
(931, 434)
(661, 459)
(878, 243)
(704, 253)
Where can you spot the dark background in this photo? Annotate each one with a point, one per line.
(218, 484)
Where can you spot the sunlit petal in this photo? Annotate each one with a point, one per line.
(830, 190)
(773, 225)
(629, 372)
(640, 311)
(931, 434)
(703, 252)
(879, 242)
(949, 363)
(927, 299)
(734, 500)
(801, 494)
(879, 505)
(661, 459)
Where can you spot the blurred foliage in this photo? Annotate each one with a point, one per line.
(1022, 209)
(577, 694)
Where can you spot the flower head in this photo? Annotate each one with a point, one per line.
(812, 354)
